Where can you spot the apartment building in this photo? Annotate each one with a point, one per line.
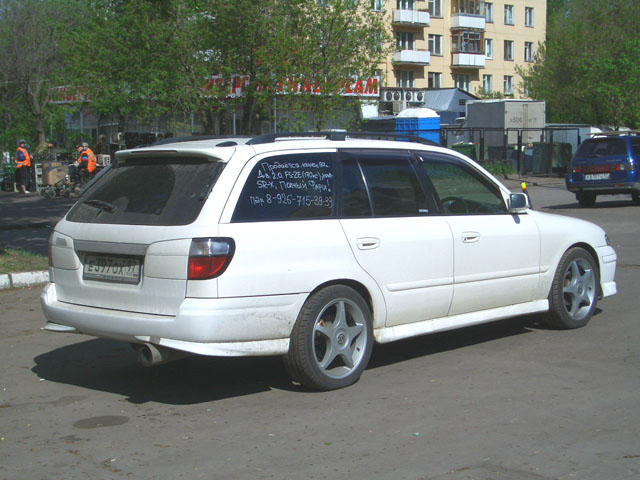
(470, 44)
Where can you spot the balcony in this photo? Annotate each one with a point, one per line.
(411, 57)
(468, 60)
(467, 21)
(414, 18)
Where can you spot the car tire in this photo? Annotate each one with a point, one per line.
(332, 339)
(586, 199)
(635, 197)
(574, 292)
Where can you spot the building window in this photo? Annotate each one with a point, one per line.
(466, 42)
(404, 40)
(462, 81)
(528, 16)
(487, 83)
(435, 79)
(528, 52)
(508, 14)
(376, 5)
(508, 49)
(488, 12)
(405, 5)
(472, 7)
(508, 85)
(435, 8)
(488, 48)
(435, 44)
(404, 79)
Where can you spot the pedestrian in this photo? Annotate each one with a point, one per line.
(23, 166)
(85, 164)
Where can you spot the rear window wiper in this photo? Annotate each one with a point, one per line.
(102, 205)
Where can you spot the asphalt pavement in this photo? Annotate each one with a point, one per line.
(26, 221)
(508, 400)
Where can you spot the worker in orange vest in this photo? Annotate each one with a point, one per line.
(23, 166)
(86, 162)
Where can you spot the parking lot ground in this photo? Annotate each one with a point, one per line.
(507, 400)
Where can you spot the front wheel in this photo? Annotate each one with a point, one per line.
(635, 197)
(574, 292)
(332, 339)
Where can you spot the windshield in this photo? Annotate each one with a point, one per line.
(602, 147)
(149, 191)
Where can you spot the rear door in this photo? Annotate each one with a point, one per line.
(394, 234)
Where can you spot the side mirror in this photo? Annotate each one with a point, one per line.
(518, 203)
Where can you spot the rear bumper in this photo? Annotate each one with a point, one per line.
(604, 188)
(244, 326)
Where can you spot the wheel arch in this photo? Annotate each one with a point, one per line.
(592, 252)
(359, 287)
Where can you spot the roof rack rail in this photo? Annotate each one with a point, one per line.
(338, 136)
(614, 133)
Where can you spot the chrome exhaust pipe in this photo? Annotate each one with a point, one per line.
(150, 355)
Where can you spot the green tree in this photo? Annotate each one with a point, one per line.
(31, 62)
(158, 57)
(588, 70)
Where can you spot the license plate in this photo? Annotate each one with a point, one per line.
(597, 176)
(110, 268)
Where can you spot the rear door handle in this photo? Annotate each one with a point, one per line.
(368, 243)
(470, 237)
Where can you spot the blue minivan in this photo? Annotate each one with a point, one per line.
(606, 164)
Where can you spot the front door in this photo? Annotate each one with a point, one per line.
(496, 254)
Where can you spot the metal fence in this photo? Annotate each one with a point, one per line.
(531, 151)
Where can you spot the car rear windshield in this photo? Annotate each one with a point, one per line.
(602, 147)
(149, 191)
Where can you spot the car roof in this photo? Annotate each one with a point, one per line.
(224, 147)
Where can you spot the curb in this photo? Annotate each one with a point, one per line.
(23, 279)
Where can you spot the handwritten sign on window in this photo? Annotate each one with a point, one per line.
(288, 187)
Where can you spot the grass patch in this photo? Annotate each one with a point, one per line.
(16, 261)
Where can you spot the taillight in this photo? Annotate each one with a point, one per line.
(577, 169)
(209, 257)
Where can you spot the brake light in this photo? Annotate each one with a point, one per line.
(577, 169)
(209, 257)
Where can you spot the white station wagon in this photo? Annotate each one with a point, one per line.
(310, 248)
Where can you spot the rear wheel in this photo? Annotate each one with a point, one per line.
(332, 339)
(636, 198)
(586, 199)
(574, 292)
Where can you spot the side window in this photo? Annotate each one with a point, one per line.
(284, 187)
(460, 192)
(394, 188)
(635, 147)
(355, 200)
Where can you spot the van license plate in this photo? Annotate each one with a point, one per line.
(597, 176)
(109, 268)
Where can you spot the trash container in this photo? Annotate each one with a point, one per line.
(471, 150)
(542, 153)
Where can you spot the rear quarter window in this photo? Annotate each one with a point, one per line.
(602, 147)
(288, 187)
